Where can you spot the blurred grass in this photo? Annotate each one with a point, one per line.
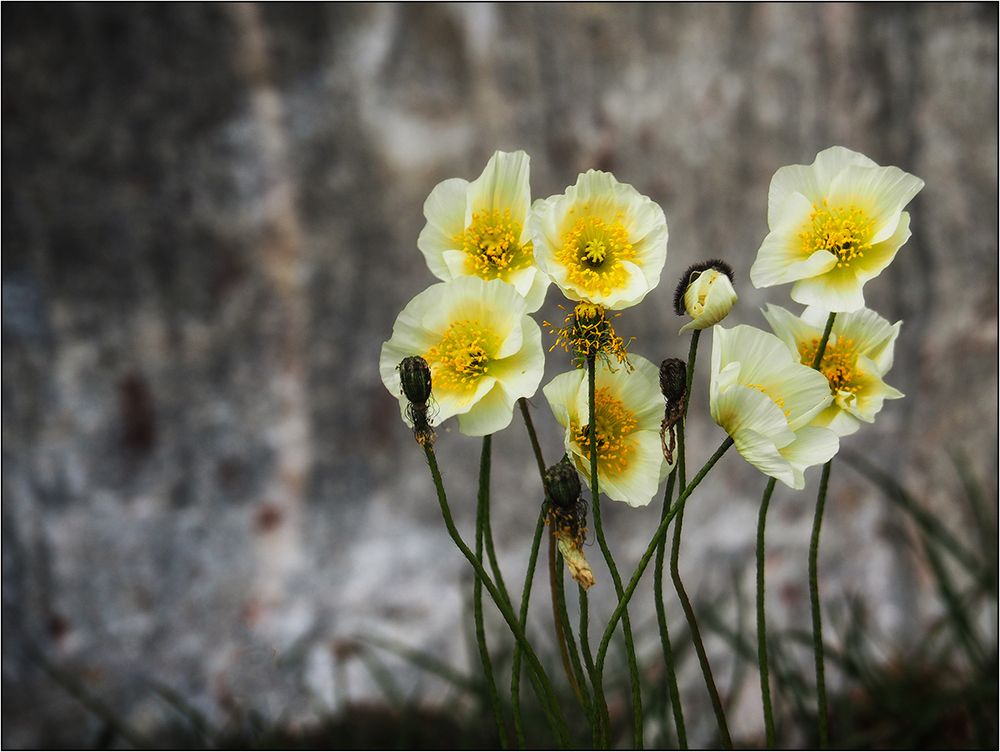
(939, 693)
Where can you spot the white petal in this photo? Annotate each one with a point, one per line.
(780, 258)
(837, 290)
(532, 283)
(789, 328)
(881, 191)
(879, 256)
(741, 408)
(837, 420)
(504, 184)
(812, 446)
(492, 413)
(636, 288)
(761, 452)
(444, 210)
(638, 484)
(832, 161)
(562, 394)
(521, 373)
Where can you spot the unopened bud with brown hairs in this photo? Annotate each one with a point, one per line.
(705, 293)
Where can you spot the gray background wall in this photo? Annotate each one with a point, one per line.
(210, 225)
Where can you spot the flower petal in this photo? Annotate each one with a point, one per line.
(812, 446)
(504, 184)
(444, 210)
(836, 290)
(521, 373)
(881, 191)
(492, 412)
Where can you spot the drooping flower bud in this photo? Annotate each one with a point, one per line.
(706, 294)
(673, 379)
(415, 376)
(567, 518)
(673, 384)
(563, 484)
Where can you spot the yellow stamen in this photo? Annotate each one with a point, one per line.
(462, 357)
(838, 365)
(779, 401)
(492, 245)
(592, 252)
(844, 231)
(587, 331)
(614, 425)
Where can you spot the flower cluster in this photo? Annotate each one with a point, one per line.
(834, 225)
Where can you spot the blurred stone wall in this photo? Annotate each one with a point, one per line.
(211, 215)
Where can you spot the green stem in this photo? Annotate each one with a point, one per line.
(601, 720)
(574, 656)
(482, 514)
(557, 623)
(689, 614)
(540, 680)
(651, 549)
(661, 618)
(612, 567)
(817, 621)
(765, 681)
(560, 627)
(515, 675)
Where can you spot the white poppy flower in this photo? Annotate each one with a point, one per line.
(834, 225)
(858, 354)
(484, 352)
(629, 408)
(601, 241)
(478, 228)
(765, 399)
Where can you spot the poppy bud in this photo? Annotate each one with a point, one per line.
(563, 484)
(673, 379)
(706, 294)
(415, 376)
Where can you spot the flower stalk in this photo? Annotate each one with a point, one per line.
(762, 664)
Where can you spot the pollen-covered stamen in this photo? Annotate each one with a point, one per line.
(587, 332)
(592, 252)
(463, 356)
(492, 244)
(839, 363)
(614, 425)
(844, 231)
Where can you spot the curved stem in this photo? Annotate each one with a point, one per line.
(515, 675)
(612, 567)
(821, 350)
(482, 514)
(817, 619)
(540, 680)
(661, 618)
(651, 549)
(689, 614)
(558, 626)
(765, 682)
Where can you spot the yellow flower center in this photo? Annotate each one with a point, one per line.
(838, 365)
(492, 245)
(614, 425)
(844, 231)
(592, 252)
(779, 401)
(462, 357)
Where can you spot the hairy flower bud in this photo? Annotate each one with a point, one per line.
(415, 376)
(673, 379)
(705, 292)
(563, 484)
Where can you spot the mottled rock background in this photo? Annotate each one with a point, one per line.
(210, 225)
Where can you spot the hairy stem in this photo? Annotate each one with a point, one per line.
(515, 675)
(612, 567)
(765, 681)
(817, 620)
(661, 618)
